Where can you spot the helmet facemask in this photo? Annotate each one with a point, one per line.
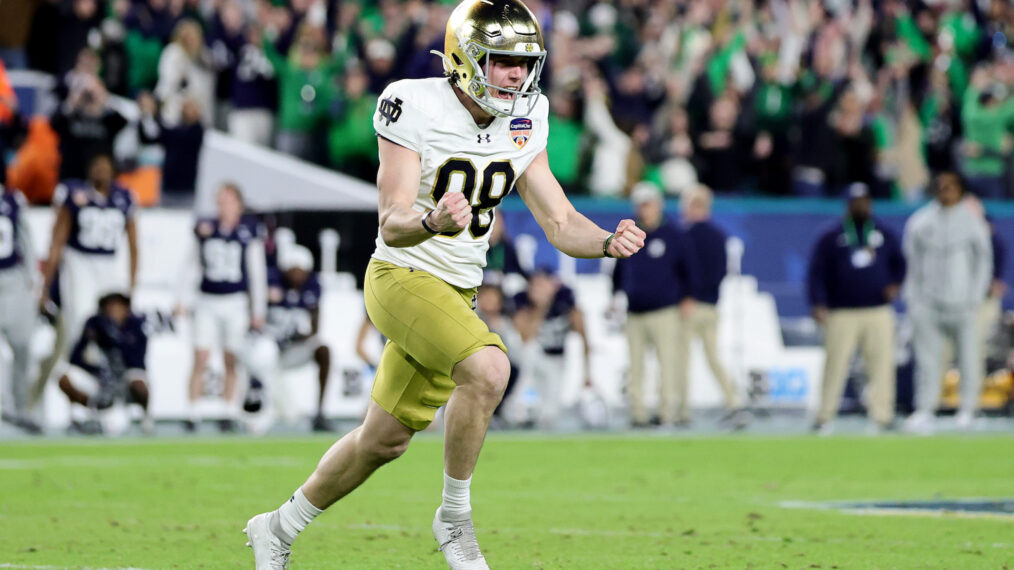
(478, 87)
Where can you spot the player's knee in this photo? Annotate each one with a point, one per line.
(139, 390)
(490, 375)
(65, 385)
(322, 355)
(201, 357)
(380, 451)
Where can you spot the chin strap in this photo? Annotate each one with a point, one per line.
(448, 64)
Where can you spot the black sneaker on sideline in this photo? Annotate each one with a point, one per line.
(322, 424)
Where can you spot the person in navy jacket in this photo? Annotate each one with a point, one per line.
(708, 242)
(657, 284)
(856, 271)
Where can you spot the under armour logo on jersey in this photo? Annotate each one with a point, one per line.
(390, 110)
(479, 138)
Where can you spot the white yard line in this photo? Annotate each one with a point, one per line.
(43, 567)
(127, 461)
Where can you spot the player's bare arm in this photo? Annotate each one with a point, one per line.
(398, 181)
(132, 248)
(61, 233)
(567, 229)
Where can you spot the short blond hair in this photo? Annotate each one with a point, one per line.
(700, 194)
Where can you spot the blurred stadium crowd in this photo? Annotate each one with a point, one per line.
(776, 97)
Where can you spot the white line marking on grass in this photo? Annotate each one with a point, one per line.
(37, 567)
(129, 461)
(560, 531)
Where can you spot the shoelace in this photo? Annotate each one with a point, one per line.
(280, 554)
(463, 536)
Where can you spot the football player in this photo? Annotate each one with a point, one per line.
(228, 259)
(546, 312)
(450, 150)
(294, 318)
(109, 358)
(18, 279)
(92, 218)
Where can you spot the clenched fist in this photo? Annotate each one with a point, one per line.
(453, 213)
(628, 240)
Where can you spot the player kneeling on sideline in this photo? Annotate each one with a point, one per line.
(110, 358)
(293, 322)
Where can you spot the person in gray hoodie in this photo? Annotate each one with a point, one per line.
(949, 257)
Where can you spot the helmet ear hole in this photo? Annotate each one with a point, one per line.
(457, 60)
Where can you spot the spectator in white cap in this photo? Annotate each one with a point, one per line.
(657, 285)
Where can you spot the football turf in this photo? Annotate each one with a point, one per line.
(581, 502)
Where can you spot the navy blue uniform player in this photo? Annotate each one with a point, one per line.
(293, 321)
(230, 299)
(546, 312)
(93, 217)
(109, 358)
(17, 313)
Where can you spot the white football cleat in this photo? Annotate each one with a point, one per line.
(270, 553)
(457, 542)
(920, 423)
(965, 420)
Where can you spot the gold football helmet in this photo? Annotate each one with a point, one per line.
(480, 29)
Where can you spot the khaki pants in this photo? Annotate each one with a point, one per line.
(702, 323)
(659, 329)
(847, 328)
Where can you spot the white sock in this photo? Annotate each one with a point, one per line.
(293, 516)
(457, 498)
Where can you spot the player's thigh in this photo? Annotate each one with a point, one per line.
(430, 320)
(78, 292)
(408, 390)
(205, 326)
(17, 307)
(82, 380)
(234, 323)
(299, 353)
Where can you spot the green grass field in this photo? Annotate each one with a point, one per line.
(588, 502)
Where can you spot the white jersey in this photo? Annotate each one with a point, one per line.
(457, 155)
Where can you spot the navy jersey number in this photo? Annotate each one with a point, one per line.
(223, 261)
(100, 228)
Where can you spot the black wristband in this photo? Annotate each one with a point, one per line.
(605, 245)
(426, 226)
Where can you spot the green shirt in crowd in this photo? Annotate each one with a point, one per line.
(303, 94)
(988, 127)
(351, 136)
(564, 149)
(142, 61)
